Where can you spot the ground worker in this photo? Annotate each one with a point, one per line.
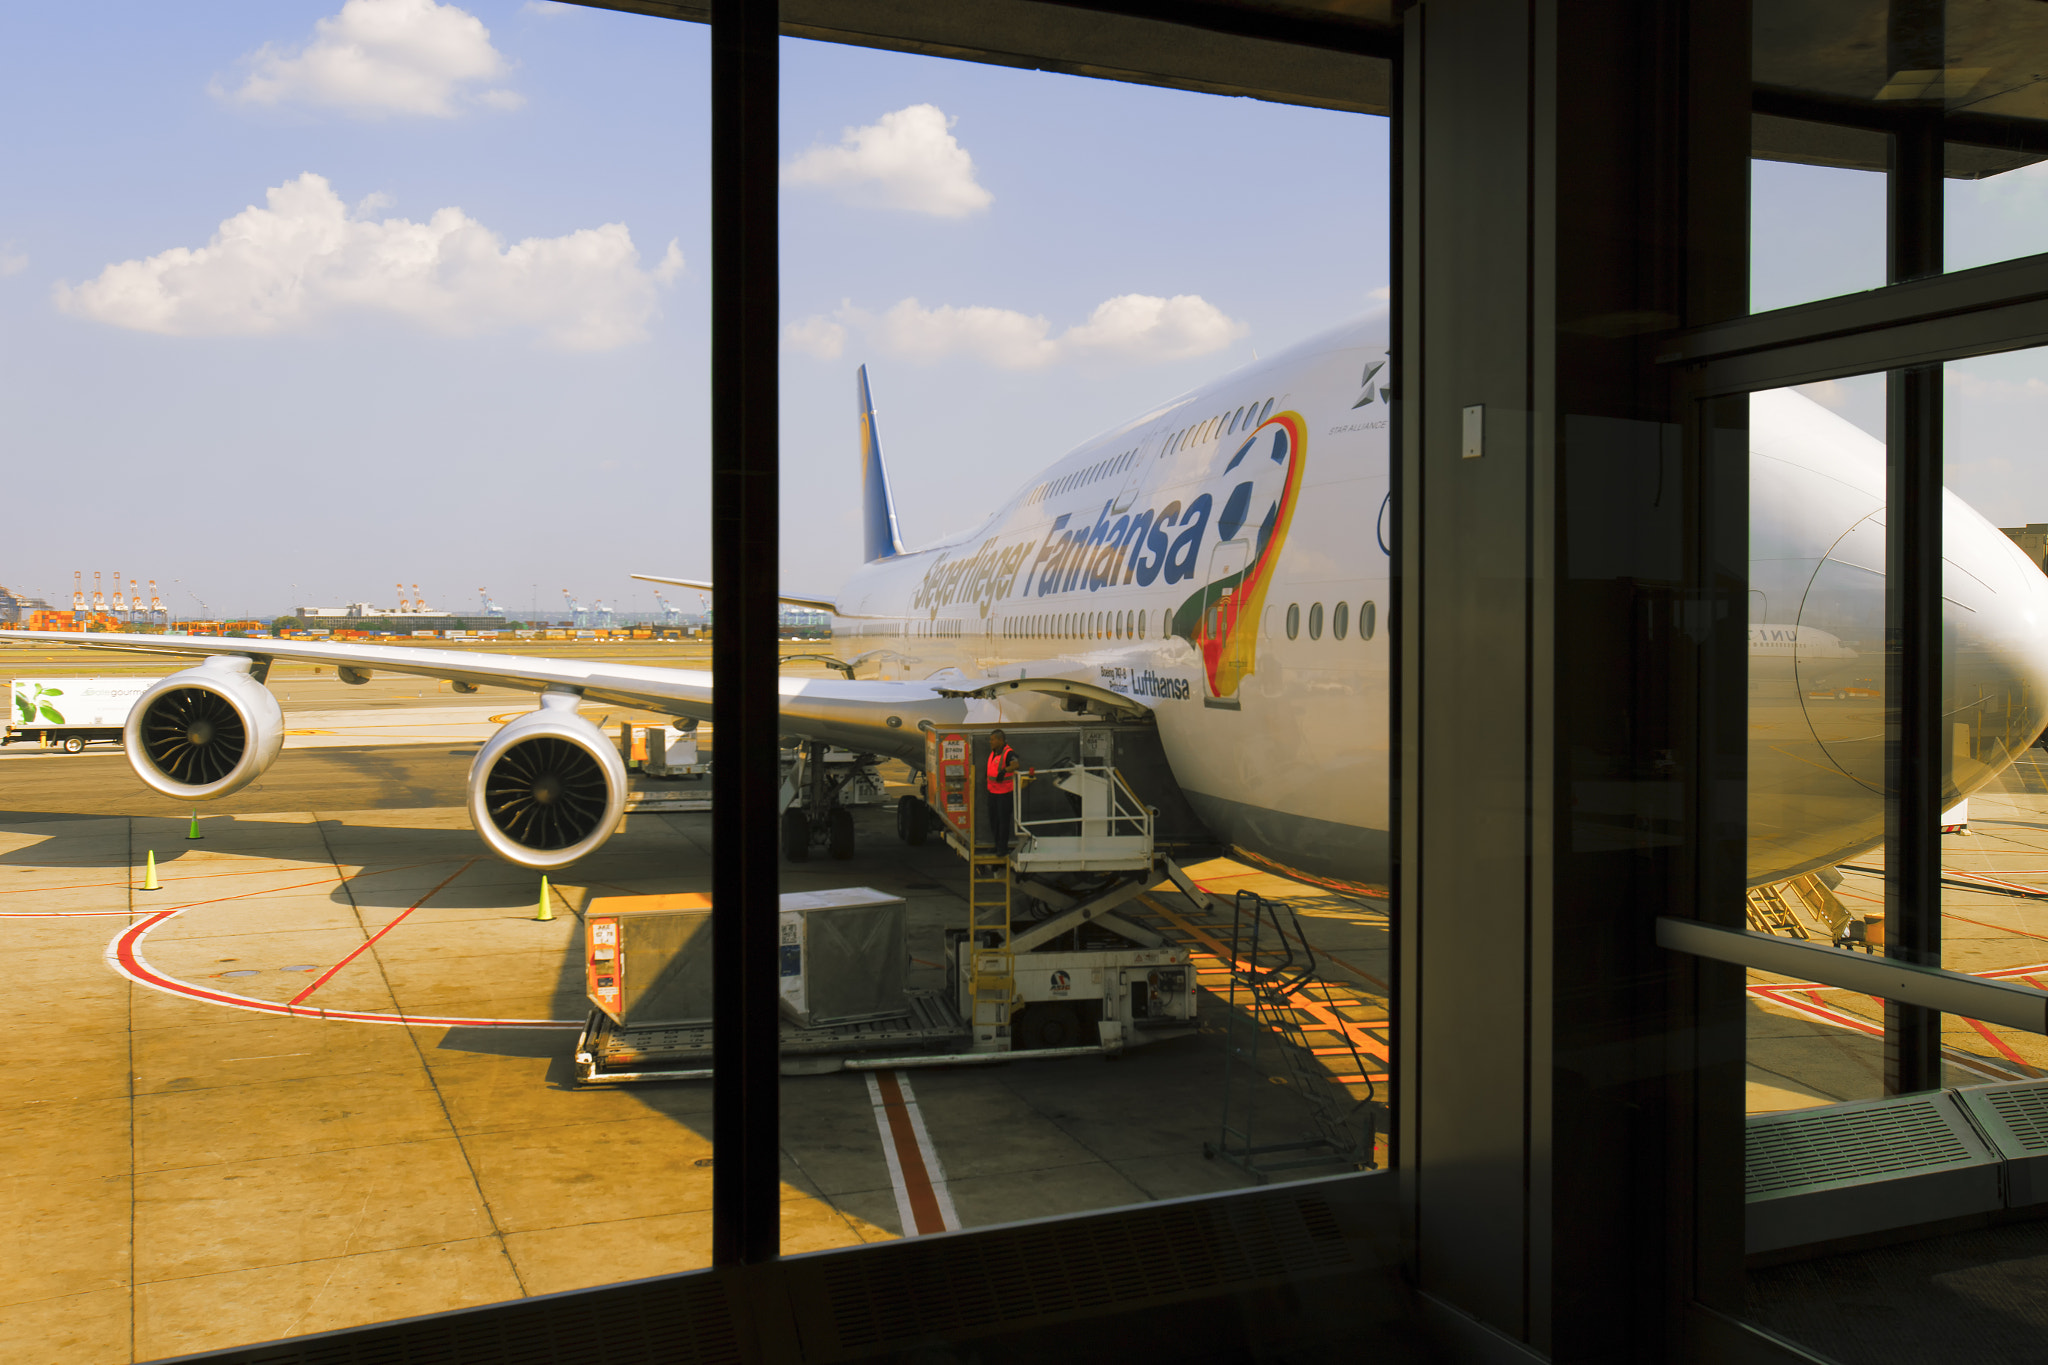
(1002, 786)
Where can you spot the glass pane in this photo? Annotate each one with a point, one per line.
(1817, 726)
(1834, 77)
(1024, 926)
(1815, 230)
(316, 340)
(1830, 1153)
(1994, 855)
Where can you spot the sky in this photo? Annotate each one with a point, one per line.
(1819, 231)
(303, 301)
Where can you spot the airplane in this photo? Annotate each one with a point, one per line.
(1219, 564)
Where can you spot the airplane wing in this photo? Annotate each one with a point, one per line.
(813, 603)
(868, 715)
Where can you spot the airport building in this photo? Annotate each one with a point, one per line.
(1583, 972)
(365, 617)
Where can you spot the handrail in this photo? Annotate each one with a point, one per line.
(1909, 983)
(1124, 810)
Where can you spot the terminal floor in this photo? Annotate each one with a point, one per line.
(181, 1175)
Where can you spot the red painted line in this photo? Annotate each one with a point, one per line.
(917, 1181)
(1827, 1015)
(2021, 933)
(1998, 1043)
(371, 941)
(125, 952)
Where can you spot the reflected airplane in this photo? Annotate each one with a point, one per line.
(1220, 564)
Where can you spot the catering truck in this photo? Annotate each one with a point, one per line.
(70, 712)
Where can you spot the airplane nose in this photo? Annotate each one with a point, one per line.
(1817, 641)
(1995, 664)
(1994, 651)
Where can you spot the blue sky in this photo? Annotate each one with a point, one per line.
(433, 329)
(302, 300)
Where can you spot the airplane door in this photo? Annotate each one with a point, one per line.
(1135, 475)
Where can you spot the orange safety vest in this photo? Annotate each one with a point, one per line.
(999, 782)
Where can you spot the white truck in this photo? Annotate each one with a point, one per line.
(70, 712)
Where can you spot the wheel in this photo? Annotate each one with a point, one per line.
(1049, 1024)
(796, 836)
(839, 833)
(911, 823)
(74, 744)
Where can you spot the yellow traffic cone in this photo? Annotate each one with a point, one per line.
(547, 908)
(149, 877)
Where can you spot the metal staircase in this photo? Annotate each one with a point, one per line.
(1778, 908)
(1268, 975)
(1769, 913)
(991, 971)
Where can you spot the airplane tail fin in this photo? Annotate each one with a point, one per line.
(878, 508)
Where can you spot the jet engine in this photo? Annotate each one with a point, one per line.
(205, 732)
(548, 788)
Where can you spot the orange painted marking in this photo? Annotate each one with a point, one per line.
(917, 1181)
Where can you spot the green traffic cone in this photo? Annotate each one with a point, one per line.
(193, 833)
(547, 907)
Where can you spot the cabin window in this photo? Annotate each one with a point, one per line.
(1293, 619)
(1340, 620)
(1315, 621)
(1235, 418)
(1141, 623)
(1367, 619)
(1266, 411)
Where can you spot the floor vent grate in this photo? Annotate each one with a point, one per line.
(2025, 1111)
(1807, 1148)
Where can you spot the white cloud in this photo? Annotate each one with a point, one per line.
(671, 263)
(909, 159)
(1139, 327)
(817, 336)
(1145, 327)
(380, 57)
(12, 262)
(1000, 337)
(305, 258)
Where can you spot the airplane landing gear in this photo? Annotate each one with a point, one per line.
(815, 813)
(913, 820)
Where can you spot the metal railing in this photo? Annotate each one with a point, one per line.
(1121, 815)
(1933, 988)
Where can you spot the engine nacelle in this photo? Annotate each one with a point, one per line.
(205, 732)
(548, 788)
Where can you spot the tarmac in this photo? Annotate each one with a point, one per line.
(1811, 1044)
(322, 1077)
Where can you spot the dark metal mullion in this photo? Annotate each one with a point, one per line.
(745, 512)
(1913, 496)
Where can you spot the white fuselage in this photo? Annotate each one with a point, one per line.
(1257, 630)
(1102, 567)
